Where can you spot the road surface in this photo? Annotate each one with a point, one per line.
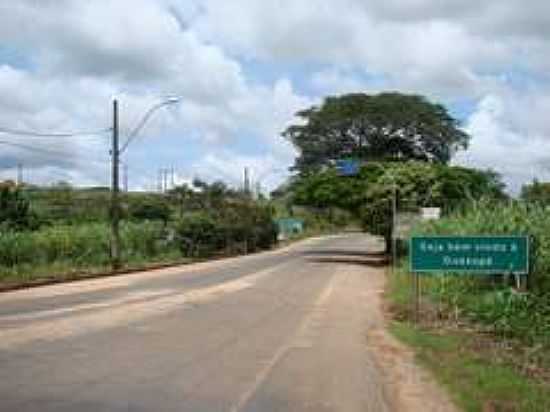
(291, 330)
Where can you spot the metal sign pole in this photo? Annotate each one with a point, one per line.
(394, 225)
(417, 298)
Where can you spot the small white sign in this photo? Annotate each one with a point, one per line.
(431, 213)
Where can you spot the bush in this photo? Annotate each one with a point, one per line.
(243, 228)
(514, 314)
(15, 213)
(197, 233)
(149, 209)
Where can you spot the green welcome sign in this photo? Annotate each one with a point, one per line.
(473, 254)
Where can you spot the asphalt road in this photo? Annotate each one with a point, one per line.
(279, 331)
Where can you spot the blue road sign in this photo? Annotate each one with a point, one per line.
(348, 167)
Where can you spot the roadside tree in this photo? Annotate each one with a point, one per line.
(383, 127)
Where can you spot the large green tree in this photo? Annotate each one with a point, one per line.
(387, 126)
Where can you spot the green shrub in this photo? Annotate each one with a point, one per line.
(149, 209)
(15, 213)
(197, 233)
(242, 228)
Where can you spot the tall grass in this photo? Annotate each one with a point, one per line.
(494, 302)
(73, 247)
(498, 218)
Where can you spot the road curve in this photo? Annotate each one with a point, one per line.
(279, 331)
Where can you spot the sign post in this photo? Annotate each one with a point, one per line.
(482, 255)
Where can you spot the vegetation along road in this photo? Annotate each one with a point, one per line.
(296, 329)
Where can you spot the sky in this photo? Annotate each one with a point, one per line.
(243, 68)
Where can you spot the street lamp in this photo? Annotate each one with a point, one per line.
(116, 152)
(133, 134)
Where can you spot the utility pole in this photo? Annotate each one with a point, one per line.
(246, 181)
(394, 224)
(159, 183)
(258, 189)
(19, 174)
(115, 152)
(115, 208)
(165, 180)
(125, 177)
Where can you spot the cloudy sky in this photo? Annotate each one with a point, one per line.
(244, 67)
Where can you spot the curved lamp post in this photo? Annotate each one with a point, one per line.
(116, 152)
(133, 134)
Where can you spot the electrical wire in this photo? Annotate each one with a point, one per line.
(51, 154)
(18, 132)
(31, 148)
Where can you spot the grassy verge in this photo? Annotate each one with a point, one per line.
(64, 271)
(39, 272)
(474, 382)
(475, 368)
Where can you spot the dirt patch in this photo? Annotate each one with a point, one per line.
(410, 387)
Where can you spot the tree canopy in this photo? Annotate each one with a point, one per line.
(538, 192)
(387, 126)
(418, 184)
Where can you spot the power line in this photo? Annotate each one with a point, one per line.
(55, 135)
(51, 154)
(31, 148)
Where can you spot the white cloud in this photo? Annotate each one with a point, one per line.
(78, 55)
(229, 166)
(438, 54)
(93, 51)
(502, 144)
(336, 80)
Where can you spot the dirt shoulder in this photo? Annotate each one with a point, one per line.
(408, 385)
(480, 370)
